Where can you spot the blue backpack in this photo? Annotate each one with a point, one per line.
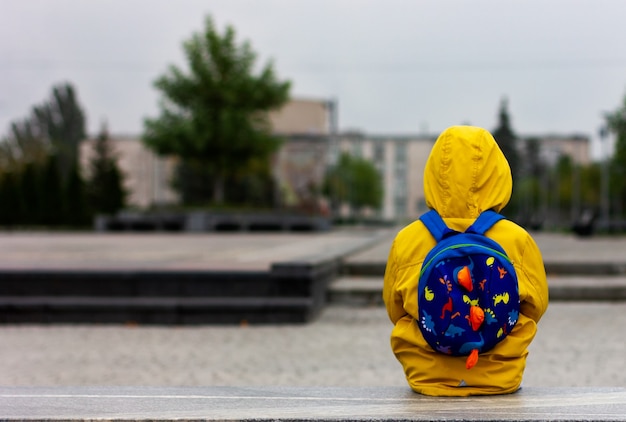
(468, 296)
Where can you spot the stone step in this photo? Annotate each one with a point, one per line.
(287, 293)
(350, 404)
(137, 283)
(363, 291)
(211, 221)
(155, 310)
(561, 268)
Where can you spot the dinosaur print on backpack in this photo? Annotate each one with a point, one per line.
(468, 295)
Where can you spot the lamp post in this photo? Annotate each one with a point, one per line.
(333, 150)
(333, 128)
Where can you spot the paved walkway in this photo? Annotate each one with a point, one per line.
(578, 344)
(555, 248)
(201, 251)
(252, 251)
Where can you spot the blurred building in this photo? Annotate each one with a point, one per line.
(552, 146)
(305, 125)
(302, 117)
(400, 161)
(311, 144)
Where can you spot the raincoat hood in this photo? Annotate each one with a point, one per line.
(466, 173)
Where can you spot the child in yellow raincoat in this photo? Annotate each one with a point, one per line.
(466, 173)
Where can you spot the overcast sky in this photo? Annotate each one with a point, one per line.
(393, 66)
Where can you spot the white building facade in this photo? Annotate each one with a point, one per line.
(400, 161)
(311, 145)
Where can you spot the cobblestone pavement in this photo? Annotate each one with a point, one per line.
(174, 251)
(578, 344)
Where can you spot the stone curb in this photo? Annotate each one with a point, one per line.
(306, 404)
(366, 291)
(361, 268)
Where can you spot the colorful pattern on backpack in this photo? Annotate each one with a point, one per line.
(468, 295)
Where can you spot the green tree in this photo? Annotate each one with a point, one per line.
(565, 168)
(590, 180)
(55, 127)
(40, 152)
(616, 123)
(29, 179)
(105, 186)
(77, 211)
(253, 186)
(507, 141)
(506, 138)
(24, 144)
(193, 182)
(11, 203)
(51, 194)
(62, 120)
(215, 116)
(354, 181)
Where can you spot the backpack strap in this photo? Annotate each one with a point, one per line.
(435, 225)
(484, 222)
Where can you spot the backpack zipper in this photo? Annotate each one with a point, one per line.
(461, 245)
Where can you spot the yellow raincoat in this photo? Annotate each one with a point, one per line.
(465, 174)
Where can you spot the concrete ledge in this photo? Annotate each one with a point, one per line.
(160, 297)
(210, 221)
(293, 290)
(364, 291)
(572, 267)
(305, 404)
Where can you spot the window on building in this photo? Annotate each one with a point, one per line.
(400, 207)
(401, 151)
(379, 153)
(379, 157)
(400, 186)
(400, 179)
(420, 205)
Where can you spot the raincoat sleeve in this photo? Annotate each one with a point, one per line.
(392, 298)
(535, 302)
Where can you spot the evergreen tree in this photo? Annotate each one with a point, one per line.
(56, 126)
(616, 122)
(24, 144)
(43, 149)
(507, 141)
(77, 211)
(62, 120)
(11, 204)
(30, 191)
(51, 194)
(105, 187)
(215, 116)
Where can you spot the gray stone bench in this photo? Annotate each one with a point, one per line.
(304, 404)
